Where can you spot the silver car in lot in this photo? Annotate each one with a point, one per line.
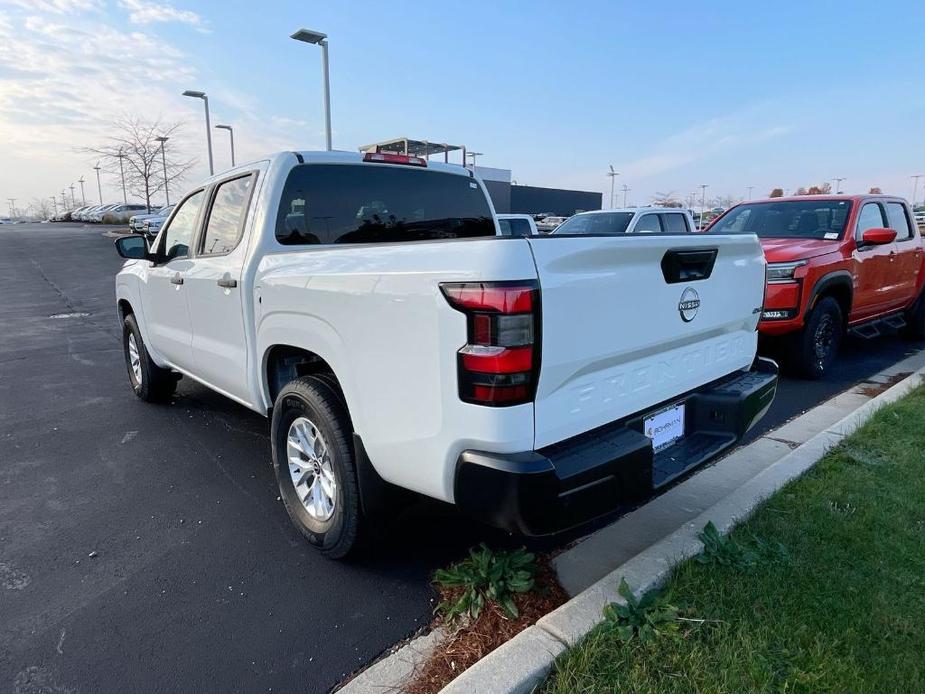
(136, 222)
(152, 224)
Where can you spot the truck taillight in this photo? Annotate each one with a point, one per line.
(499, 364)
(386, 158)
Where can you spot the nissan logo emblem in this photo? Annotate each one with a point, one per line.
(688, 305)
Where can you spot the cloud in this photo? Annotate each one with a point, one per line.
(145, 12)
(57, 6)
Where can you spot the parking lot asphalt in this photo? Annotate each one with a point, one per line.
(144, 548)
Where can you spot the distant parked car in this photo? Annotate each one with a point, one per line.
(920, 218)
(151, 225)
(120, 214)
(517, 225)
(84, 214)
(636, 220)
(136, 221)
(548, 224)
(5, 220)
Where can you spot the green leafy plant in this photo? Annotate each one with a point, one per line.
(644, 618)
(726, 551)
(486, 576)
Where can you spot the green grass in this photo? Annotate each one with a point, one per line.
(822, 590)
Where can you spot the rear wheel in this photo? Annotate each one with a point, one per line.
(150, 382)
(817, 344)
(314, 462)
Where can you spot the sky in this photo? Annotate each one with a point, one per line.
(672, 94)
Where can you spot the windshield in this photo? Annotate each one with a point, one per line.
(373, 203)
(803, 219)
(597, 223)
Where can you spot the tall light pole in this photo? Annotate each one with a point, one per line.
(63, 200)
(749, 189)
(703, 200)
(613, 177)
(73, 199)
(915, 187)
(163, 141)
(205, 99)
(231, 134)
(82, 196)
(316, 37)
(99, 186)
(837, 182)
(474, 155)
(625, 190)
(122, 173)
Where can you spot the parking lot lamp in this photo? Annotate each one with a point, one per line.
(231, 134)
(915, 187)
(163, 141)
(316, 37)
(749, 189)
(122, 173)
(613, 177)
(205, 99)
(73, 199)
(838, 184)
(99, 186)
(625, 190)
(82, 196)
(703, 200)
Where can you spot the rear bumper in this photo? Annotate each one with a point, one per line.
(574, 481)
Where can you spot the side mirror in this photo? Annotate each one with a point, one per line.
(878, 236)
(133, 247)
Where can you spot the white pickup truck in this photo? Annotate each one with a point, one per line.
(367, 306)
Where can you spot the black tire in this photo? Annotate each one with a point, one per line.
(155, 384)
(317, 400)
(817, 344)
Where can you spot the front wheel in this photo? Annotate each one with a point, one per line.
(314, 463)
(150, 382)
(817, 344)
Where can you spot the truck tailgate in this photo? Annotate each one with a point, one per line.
(629, 322)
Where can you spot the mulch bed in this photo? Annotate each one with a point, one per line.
(472, 641)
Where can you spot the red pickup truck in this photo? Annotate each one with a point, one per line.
(836, 263)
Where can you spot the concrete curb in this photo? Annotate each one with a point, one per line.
(524, 662)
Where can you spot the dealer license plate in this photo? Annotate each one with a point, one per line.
(665, 426)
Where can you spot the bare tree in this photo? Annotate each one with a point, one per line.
(41, 208)
(875, 190)
(823, 189)
(776, 193)
(135, 151)
(669, 199)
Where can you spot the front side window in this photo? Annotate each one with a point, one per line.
(898, 220)
(871, 217)
(375, 203)
(226, 218)
(804, 219)
(179, 234)
(596, 223)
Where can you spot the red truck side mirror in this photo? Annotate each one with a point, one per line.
(878, 236)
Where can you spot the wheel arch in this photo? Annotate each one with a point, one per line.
(840, 286)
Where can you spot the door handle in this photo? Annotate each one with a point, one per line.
(226, 282)
(176, 279)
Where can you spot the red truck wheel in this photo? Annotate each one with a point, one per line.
(817, 344)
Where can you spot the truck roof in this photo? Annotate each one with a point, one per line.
(827, 197)
(333, 157)
(650, 208)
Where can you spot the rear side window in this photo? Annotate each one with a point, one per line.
(515, 227)
(226, 218)
(898, 220)
(676, 222)
(649, 223)
(376, 203)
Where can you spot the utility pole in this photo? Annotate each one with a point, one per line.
(122, 172)
(82, 196)
(915, 187)
(613, 177)
(837, 182)
(163, 141)
(99, 186)
(625, 190)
